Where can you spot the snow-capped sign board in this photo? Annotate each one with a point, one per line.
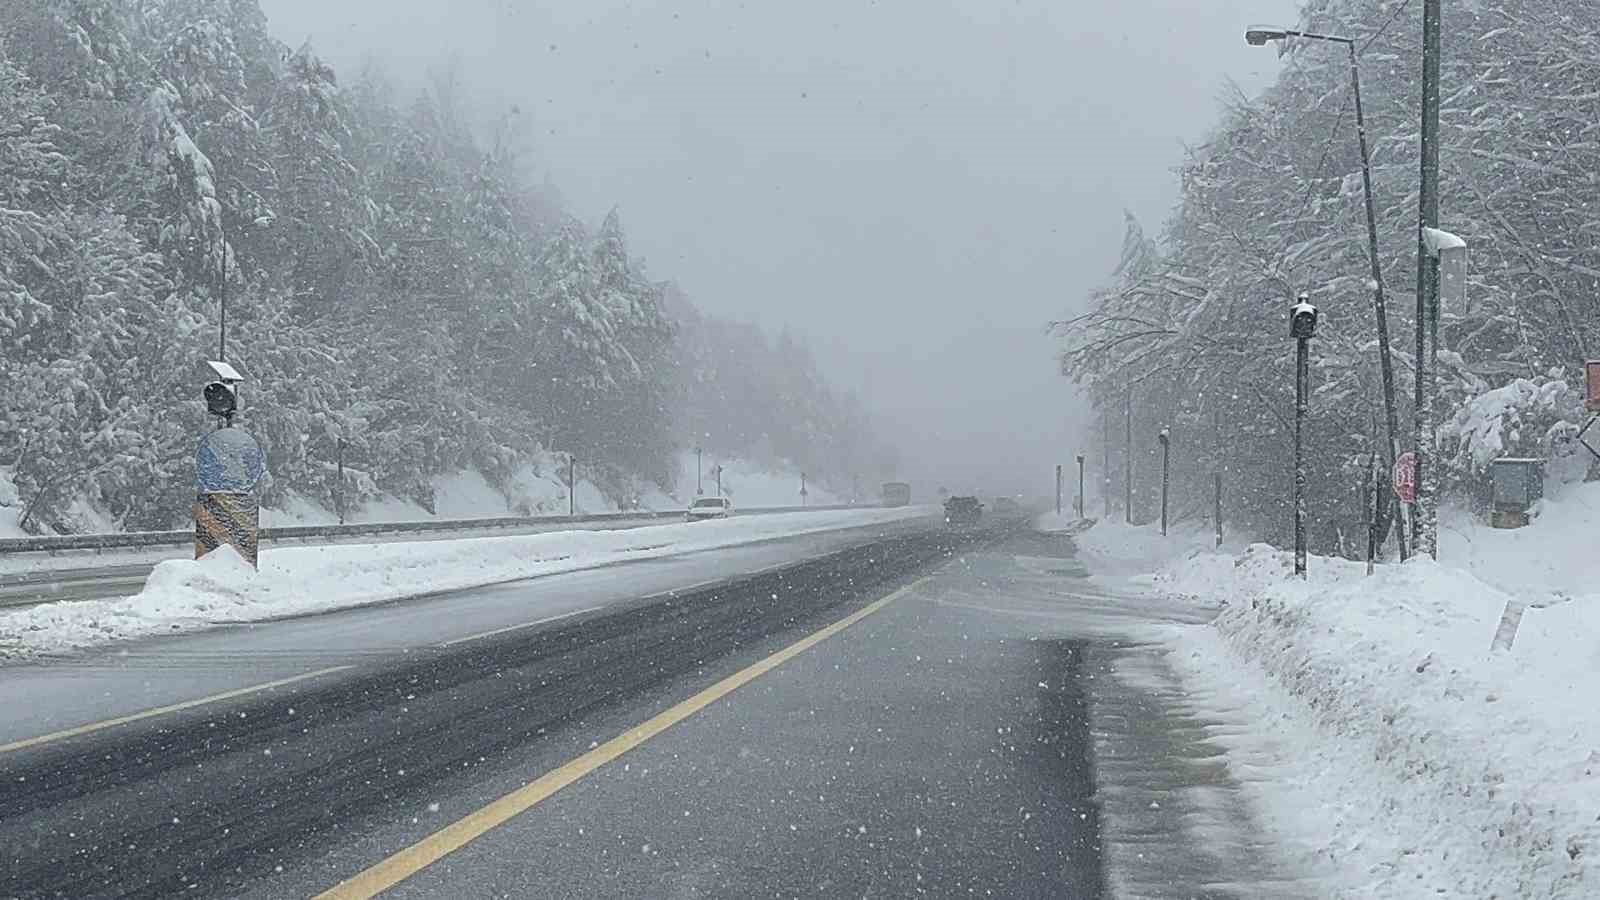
(229, 459)
(1452, 253)
(1591, 385)
(1404, 477)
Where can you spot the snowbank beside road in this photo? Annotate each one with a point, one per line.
(187, 594)
(1398, 748)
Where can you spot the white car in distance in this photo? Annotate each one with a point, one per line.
(709, 508)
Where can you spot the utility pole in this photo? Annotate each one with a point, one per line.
(1058, 489)
(699, 485)
(1105, 463)
(1302, 327)
(572, 484)
(1083, 499)
(1369, 503)
(1425, 527)
(1127, 461)
(341, 480)
(1165, 437)
(718, 472)
(1216, 504)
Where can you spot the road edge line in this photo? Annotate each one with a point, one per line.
(92, 727)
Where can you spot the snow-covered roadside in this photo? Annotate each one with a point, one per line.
(184, 595)
(1382, 738)
(10, 507)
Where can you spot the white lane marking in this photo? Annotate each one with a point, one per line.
(474, 637)
(675, 592)
(163, 710)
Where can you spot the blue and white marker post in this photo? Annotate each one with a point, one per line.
(229, 465)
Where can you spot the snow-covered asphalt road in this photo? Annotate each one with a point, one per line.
(893, 711)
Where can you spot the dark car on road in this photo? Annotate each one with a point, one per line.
(962, 511)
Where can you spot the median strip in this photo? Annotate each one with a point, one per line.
(191, 594)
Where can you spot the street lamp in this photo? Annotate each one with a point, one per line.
(1260, 35)
(1302, 327)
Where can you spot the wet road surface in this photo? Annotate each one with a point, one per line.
(931, 713)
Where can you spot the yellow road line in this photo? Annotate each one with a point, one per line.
(163, 710)
(413, 859)
(474, 637)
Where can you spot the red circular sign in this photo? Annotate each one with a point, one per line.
(1404, 477)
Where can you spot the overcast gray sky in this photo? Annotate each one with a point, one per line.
(916, 185)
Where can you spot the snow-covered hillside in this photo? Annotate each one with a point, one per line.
(538, 488)
(749, 483)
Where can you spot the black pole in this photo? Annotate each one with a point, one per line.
(1058, 489)
(1127, 462)
(802, 489)
(1083, 499)
(1380, 307)
(1105, 466)
(222, 296)
(1166, 448)
(699, 483)
(1423, 535)
(719, 479)
(572, 485)
(1216, 504)
(341, 481)
(1302, 376)
(1369, 502)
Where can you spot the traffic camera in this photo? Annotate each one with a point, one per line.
(222, 392)
(1303, 318)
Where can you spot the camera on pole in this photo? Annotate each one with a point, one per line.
(222, 392)
(1303, 318)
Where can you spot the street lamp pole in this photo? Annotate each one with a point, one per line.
(1259, 36)
(1105, 462)
(572, 484)
(699, 484)
(1127, 460)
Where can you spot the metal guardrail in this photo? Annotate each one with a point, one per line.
(137, 539)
